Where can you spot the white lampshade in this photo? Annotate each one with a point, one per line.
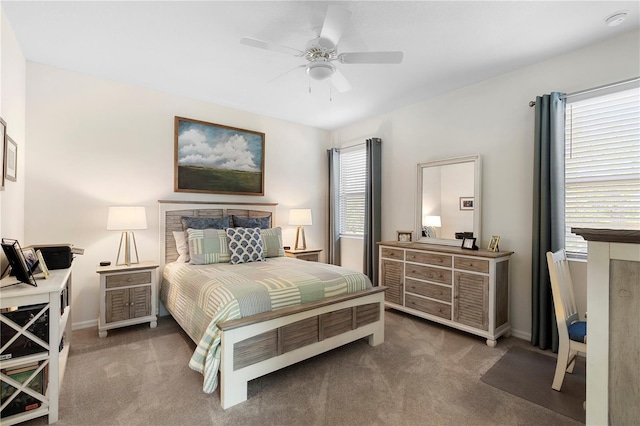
(300, 217)
(431, 221)
(126, 218)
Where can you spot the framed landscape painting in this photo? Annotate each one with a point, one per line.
(216, 159)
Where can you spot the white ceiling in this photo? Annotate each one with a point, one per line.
(192, 48)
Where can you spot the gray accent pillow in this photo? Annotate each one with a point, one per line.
(251, 222)
(205, 222)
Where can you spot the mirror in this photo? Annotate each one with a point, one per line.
(448, 200)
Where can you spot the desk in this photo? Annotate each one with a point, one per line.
(613, 343)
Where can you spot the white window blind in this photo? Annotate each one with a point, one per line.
(352, 187)
(602, 165)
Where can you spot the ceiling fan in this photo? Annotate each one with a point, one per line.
(321, 51)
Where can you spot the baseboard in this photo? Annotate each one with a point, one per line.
(84, 324)
(521, 334)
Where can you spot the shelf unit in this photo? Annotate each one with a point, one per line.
(49, 292)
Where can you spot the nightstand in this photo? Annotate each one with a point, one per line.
(127, 295)
(312, 255)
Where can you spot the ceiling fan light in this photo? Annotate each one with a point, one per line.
(320, 71)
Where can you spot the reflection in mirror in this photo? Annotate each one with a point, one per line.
(448, 204)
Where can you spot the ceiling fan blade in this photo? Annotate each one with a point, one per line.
(253, 42)
(286, 73)
(335, 22)
(340, 81)
(371, 57)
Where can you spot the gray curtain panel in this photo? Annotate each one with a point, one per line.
(333, 253)
(548, 213)
(373, 208)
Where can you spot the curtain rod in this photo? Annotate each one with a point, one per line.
(595, 89)
(352, 146)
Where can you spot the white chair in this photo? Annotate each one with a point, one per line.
(572, 332)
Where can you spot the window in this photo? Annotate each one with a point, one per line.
(352, 187)
(602, 165)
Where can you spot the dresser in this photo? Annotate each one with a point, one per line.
(127, 295)
(464, 289)
(36, 337)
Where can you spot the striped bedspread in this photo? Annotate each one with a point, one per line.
(201, 296)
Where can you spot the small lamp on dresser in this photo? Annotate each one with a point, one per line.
(300, 217)
(126, 219)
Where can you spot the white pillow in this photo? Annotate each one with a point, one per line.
(181, 246)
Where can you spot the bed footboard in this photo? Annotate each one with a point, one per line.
(260, 344)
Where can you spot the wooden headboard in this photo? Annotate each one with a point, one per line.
(171, 213)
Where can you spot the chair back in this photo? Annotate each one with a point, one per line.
(562, 289)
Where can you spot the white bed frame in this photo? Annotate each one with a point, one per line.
(263, 343)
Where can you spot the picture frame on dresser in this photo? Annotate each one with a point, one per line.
(404, 236)
(469, 244)
(493, 243)
(18, 265)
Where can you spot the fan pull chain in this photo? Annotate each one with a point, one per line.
(309, 84)
(330, 93)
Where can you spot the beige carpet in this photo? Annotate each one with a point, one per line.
(423, 374)
(529, 374)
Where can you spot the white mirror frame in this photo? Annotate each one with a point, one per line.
(477, 208)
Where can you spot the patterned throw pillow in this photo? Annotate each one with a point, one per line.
(205, 222)
(245, 245)
(251, 222)
(272, 242)
(207, 246)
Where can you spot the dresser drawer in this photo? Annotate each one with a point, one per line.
(389, 253)
(437, 275)
(429, 258)
(469, 264)
(428, 306)
(433, 291)
(124, 280)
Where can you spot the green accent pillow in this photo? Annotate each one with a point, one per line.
(208, 246)
(272, 242)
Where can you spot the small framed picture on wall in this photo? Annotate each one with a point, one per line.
(3, 144)
(466, 203)
(10, 160)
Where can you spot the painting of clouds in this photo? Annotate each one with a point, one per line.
(218, 159)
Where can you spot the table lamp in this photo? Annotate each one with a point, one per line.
(300, 217)
(126, 219)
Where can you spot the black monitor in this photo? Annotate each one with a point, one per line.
(22, 269)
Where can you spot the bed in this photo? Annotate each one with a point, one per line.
(316, 307)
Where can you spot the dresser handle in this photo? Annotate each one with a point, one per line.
(129, 279)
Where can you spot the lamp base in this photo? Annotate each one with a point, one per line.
(125, 237)
(300, 238)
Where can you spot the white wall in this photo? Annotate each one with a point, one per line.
(94, 143)
(493, 119)
(13, 112)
